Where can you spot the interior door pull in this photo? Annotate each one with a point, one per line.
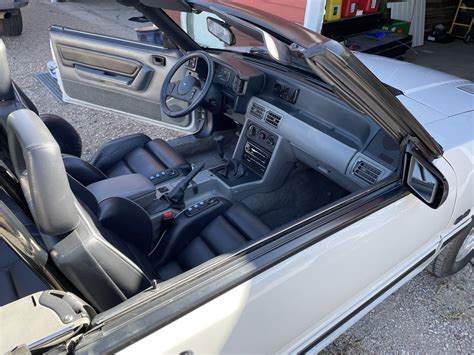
(103, 76)
(159, 60)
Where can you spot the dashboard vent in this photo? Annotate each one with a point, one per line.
(257, 110)
(366, 172)
(273, 119)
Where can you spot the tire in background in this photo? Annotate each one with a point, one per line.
(13, 25)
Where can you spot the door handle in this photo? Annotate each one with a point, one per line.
(159, 60)
(102, 75)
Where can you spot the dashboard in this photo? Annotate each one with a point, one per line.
(273, 103)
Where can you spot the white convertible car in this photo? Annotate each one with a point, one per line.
(311, 183)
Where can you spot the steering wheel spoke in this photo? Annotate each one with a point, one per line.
(171, 89)
(189, 97)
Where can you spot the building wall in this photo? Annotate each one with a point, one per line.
(292, 10)
(439, 11)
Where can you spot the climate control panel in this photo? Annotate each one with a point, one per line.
(258, 148)
(262, 137)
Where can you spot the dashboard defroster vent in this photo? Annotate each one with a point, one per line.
(257, 110)
(273, 119)
(366, 172)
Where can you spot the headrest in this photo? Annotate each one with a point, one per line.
(40, 169)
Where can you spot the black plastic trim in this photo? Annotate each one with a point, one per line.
(462, 216)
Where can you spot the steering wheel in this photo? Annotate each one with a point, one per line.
(188, 89)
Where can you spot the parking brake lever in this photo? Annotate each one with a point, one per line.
(176, 196)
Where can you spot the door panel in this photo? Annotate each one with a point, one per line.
(116, 74)
(285, 308)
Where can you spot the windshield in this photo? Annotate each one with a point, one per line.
(195, 25)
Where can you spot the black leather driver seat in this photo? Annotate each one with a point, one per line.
(132, 154)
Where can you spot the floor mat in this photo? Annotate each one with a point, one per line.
(51, 85)
(304, 191)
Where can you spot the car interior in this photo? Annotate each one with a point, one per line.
(272, 146)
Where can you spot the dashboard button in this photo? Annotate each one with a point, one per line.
(271, 141)
(262, 135)
(252, 131)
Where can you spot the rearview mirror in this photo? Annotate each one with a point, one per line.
(220, 30)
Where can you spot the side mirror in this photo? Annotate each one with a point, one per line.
(220, 30)
(426, 182)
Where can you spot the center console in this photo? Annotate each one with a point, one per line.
(258, 148)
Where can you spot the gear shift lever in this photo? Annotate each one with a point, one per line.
(233, 168)
(220, 145)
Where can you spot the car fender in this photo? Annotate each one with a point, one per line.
(456, 135)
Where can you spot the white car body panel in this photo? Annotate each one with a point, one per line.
(422, 113)
(456, 134)
(448, 99)
(404, 76)
(287, 306)
(435, 90)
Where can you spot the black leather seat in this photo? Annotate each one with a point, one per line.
(109, 250)
(132, 154)
(191, 241)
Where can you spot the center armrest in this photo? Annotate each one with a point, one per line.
(135, 187)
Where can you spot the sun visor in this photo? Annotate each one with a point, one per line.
(175, 5)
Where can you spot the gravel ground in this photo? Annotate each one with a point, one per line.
(428, 315)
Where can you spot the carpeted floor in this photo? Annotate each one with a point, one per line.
(304, 191)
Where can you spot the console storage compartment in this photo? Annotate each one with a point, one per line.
(135, 187)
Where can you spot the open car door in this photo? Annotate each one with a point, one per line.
(117, 75)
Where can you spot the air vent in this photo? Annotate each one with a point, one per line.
(273, 119)
(366, 172)
(257, 110)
